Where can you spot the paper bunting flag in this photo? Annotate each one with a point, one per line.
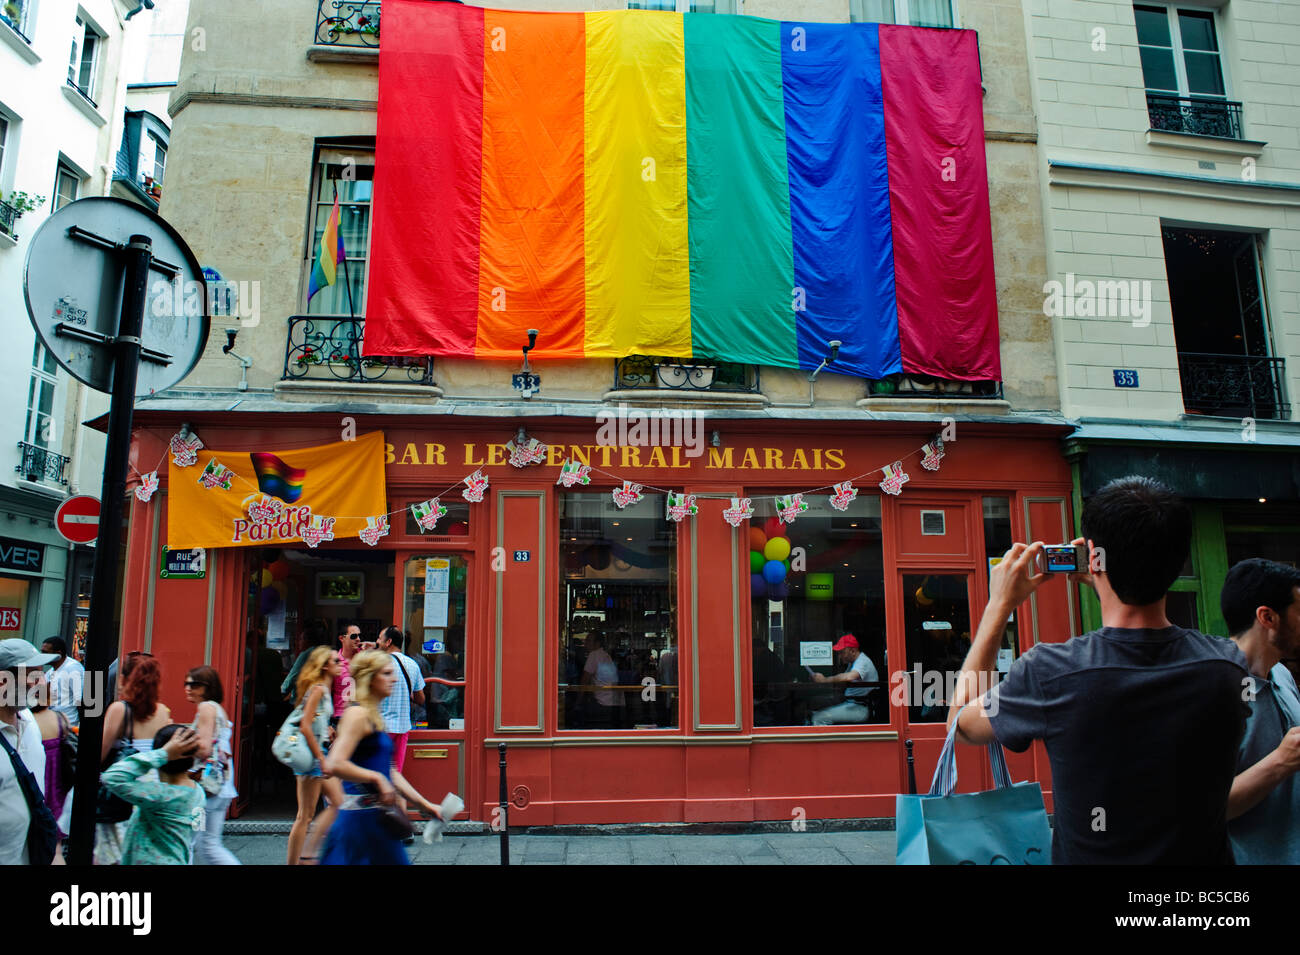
(428, 513)
(629, 493)
(376, 527)
(148, 484)
(185, 450)
(741, 510)
(895, 478)
(266, 509)
(320, 529)
(534, 452)
(572, 473)
(790, 506)
(477, 484)
(844, 495)
(931, 454)
(216, 475)
(681, 506)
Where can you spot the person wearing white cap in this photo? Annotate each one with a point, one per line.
(17, 659)
(859, 669)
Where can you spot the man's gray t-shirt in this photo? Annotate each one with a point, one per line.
(1141, 729)
(1268, 833)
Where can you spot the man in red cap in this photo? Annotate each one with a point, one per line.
(859, 670)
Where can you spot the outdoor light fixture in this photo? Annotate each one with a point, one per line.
(244, 363)
(521, 436)
(526, 383)
(834, 346)
(716, 440)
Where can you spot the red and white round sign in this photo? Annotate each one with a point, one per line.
(77, 519)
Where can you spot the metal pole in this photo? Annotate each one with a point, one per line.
(505, 807)
(911, 768)
(101, 638)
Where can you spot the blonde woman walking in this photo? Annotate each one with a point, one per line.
(315, 680)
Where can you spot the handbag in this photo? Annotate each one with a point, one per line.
(392, 819)
(68, 741)
(212, 777)
(290, 746)
(1006, 825)
(108, 806)
(42, 831)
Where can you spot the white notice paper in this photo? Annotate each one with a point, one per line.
(817, 653)
(276, 638)
(437, 583)
(1004, 660)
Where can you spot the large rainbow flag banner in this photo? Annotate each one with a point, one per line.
(689, 185)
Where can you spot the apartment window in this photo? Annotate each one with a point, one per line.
(349, 175)
(66, 186)
(917, 13)
(153, 157)
(14, 13)
(689, 6)
(1183, 70)
(39, 429)
(84, 61)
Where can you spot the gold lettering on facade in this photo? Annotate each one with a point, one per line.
(720, 459)
(497, 455)
(799, 462)
(657, 459)
(410, 455)
(769, 456)
(471, 456)
(749, 459)
(389, 456)
(435, 454)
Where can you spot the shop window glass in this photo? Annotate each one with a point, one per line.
(811, 582)
(1268, 532)
(455, 523)
(13, 607)
(619, 659)
(936, 625)
(997, 541)
(434, 621)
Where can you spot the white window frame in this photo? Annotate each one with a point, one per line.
(903, 11)
(26, 20)
(60, 170)
(85, 27)
(684, 6)
(151, 147)
(38, 378)
(320, 202)
(6, 124)
(1180, 63)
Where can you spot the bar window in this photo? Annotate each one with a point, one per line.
(618, 666)
(811, 583)
(997, 541)
(434, 620)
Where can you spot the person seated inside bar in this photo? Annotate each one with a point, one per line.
(860, 669)
(600, 670)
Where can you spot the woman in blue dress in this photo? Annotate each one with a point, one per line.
(362, 756)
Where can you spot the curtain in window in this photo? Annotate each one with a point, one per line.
(929, 13)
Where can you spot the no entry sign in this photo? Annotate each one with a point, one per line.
(77, 519)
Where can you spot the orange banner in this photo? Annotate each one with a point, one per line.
(258, 497)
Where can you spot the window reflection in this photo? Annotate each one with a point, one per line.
(936, 622)
(435, 589)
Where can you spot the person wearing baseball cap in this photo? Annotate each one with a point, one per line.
(23, 736)
(858, 670)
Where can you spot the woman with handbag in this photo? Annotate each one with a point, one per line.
(307, 729)
(130, 725)
(216, 776)
(60, 742)
(370, 828)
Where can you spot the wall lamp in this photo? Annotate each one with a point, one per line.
(244, 363)
(834, 346)
(526, 383)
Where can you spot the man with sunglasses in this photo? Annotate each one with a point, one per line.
(349, 646)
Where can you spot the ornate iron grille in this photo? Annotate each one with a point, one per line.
(8, 216)
(323, 347)
(1198, 115)
(347, 23)
(1233, 385)
(677, 374)
(41, 464)
(927, 386)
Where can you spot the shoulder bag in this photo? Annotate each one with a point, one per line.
(212, 777)
(290, 746)
(42, 831)
(109, 807)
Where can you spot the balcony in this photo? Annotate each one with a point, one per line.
(1233, 385)
(326, 348)
(674, 374)
(347, 23)
(40, 464)
(926, 387)
(1195, 115)
(8, 217)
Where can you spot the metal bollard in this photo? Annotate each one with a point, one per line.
(505, 807)
(911, 768)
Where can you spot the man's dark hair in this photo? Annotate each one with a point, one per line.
(182, 765)
(1256, 583)
(1146, 533)
(57, 645)
(394, 634)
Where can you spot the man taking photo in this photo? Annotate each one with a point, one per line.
(1141, 719)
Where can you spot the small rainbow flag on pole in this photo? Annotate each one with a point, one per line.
(325, 271)
(277, 479)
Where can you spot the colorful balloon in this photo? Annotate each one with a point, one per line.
(778, 548)
(756, 562)
(269, 601)
(267, 577)
(774, 571)
(757, 585)
(280, 569)
(757, 539)
(773, 528)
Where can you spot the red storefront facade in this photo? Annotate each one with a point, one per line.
(722, 741)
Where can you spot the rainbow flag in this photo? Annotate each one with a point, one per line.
(697, 186)
(277, 479)
(325, 271)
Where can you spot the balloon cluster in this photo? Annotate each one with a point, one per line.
(769, 560)
(275, 586)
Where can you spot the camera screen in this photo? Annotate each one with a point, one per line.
(1061, 559)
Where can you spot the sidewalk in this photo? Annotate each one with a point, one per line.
(790, 848)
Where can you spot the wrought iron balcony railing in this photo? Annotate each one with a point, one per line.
(41, 464)
(347, 23)
(323, 347)
(1233, 385)
(926, 386)
(8, 216)
(676, 374)
(1198, 115)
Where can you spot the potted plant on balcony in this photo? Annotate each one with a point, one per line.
(13, 12)
(19, 202)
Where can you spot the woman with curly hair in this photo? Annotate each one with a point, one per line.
(315, 681)
(135, 717)
(362, 756)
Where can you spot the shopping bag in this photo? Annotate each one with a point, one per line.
(1003, 826)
